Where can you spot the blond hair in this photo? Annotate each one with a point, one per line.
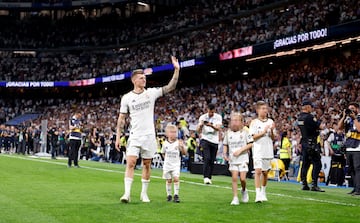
(136, 72)
(236, 114)
(170, 126)
(260, 103)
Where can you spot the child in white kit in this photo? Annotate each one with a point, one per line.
(172, 150)
(237, 142)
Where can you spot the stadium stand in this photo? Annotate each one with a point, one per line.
(228, 33)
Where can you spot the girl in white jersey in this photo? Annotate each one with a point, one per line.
(237, 142)
(262, 131)
(172, 149)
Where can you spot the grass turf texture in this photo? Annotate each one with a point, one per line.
(44, 190)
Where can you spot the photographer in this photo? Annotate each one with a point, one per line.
(209, 127)
(336, 142)
(53, 136)
(310, 147)
(350, 121)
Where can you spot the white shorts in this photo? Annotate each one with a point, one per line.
(169, 174)
(242, 167)
(145, 146)
(263, 164)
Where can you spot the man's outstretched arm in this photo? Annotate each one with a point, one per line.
(172, 83)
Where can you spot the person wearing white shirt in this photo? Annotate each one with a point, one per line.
(139, 104)
(237, 142)
(172, 149)
(262, 131)
(209, 127)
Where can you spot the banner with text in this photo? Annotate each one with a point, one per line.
(97, 80)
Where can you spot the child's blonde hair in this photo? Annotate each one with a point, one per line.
(237, 114)
(170, 126)
(260, 103)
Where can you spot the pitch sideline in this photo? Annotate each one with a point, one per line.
(183, 181)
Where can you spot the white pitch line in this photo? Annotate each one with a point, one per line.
(188, 182)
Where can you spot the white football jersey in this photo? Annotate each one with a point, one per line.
(172, 159)
(140, 107)
(235, 141)
(262, 147)
(208, 133)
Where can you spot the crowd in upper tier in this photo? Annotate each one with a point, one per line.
(231, 27)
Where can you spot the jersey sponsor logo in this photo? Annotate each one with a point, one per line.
(141, 106)
(172, 154)
(237, 144)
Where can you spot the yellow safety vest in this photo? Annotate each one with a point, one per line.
(123, 141)
(189, 144)
(284, 154)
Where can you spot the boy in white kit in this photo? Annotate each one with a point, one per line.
(172, 150)
(237, 142)
(262, 131)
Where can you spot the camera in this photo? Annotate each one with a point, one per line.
(348, 111)
(206, 122)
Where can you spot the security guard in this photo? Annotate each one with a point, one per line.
(309, 128)
(350, 120)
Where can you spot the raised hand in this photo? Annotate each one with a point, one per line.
(175, 62)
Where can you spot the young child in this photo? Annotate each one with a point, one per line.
(262, 131)
(172, 149)
(237, 142)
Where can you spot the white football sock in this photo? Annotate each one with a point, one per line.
(168, 188)
(145, 185)
(176, 188)
(128, 182)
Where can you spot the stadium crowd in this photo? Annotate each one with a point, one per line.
(228, 33)
(79, 29)
(330, 86)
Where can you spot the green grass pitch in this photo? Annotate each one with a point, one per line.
(44, 190)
